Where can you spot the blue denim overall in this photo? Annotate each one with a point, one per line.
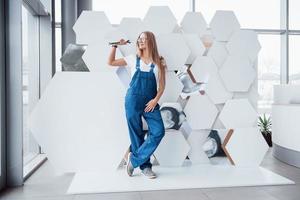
(142, 89)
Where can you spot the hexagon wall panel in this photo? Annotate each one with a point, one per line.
(238, 113)
(77, 115)
(132, 27)
(196, 140)
(247, 147)
(252, 95)
(115, 35)
(194, 22)
(200, 112)
(186, 129)
(160, 20)
(203, 68)
(196, 46)
(96, 55)
(172, 149)
(216, 90)
(237, 74)
(173, 88)
(244, 42)
(87, 34)
(174, 49)
(223, 25)
(218, 53)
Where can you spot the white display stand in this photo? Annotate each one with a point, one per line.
(80, 121)
(285, 123)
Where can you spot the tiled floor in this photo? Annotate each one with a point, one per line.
(43, 185)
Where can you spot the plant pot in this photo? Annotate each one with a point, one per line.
(268, 138)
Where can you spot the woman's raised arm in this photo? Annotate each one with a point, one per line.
(112, 61)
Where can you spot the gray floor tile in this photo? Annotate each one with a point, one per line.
(190, 194)
(238, 193)
(44, 185)
(109, 196)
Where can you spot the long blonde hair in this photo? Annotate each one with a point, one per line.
(152, 46)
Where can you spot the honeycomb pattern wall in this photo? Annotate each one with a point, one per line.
(218, 52)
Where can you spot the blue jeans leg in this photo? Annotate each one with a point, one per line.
(155, 134)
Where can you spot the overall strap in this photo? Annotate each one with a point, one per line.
(152, 67)
(137, 65)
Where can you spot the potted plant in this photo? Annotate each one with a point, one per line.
(265, 125)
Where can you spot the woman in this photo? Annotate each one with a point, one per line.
(147, 72)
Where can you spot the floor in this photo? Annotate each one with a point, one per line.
(43, 185)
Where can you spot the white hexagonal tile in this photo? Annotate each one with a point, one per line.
(132, 27)
(115, 35)
(247, 147)
(174, 49)
(172, 149)
(173, 88)
(203, 68)
(223, 24)
(218, 52)
(237, 73)
(200, 112)
(91, 26)
(186, 129)
(95, 56)
(238, 113)
(160, 20)
(124, 76)
(68, 119)
(196, 46)
(218, 123)
(244, 42)
(194, 22)
(216, 90)
(252, 95)
(196, 140)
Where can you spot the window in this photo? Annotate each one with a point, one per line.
(294, 61)
(254, 14)
(116, 10)
(58, 44)
(30, 76)
(268, 68)
(294, 14)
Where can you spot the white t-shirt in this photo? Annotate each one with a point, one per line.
(131, 63)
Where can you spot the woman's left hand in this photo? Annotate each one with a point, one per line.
(150, 105)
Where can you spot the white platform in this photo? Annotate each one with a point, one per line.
(196, 176)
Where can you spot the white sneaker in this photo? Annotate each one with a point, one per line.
(148, 173)
(129, 167)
